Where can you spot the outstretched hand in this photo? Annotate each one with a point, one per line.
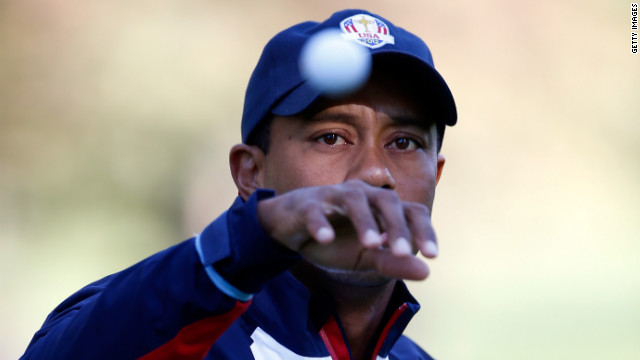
(353, 226)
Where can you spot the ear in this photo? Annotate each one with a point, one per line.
(247, 168)
(440, 166)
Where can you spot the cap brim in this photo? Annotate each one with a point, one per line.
(435, 88)
(299, 99)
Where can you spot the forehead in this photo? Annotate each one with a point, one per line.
(384, 93)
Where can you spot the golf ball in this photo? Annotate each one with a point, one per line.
(334, 65)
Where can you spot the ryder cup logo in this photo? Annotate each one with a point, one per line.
(366, 30)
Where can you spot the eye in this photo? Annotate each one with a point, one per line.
(405, 143)
(332, 139)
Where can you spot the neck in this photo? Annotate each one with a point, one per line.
(361, 312)
(360, 309)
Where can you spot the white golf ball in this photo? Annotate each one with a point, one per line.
(334, 65)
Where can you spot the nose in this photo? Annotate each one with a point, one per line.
(371, 167)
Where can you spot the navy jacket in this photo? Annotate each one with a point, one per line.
(180, 304)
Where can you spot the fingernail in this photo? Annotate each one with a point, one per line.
(431, 248)
(372, 238)
(325, 234)
(401, 247)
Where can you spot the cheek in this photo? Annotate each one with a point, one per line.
(420, 189)
(418, 184)
(296, 169)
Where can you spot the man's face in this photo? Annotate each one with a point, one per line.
(378, 136)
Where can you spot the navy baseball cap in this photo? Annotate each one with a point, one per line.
(277, 87)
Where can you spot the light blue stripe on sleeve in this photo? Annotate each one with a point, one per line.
(218, 280)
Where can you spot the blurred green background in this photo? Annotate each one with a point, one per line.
(116, 118)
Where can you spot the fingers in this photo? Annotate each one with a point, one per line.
(419, 221)
(350, 203)
(309, 220)
(407, 225)
(317, 224)
(390, 265)
(392, 217)
(359, 212)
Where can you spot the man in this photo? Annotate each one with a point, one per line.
(335, 197)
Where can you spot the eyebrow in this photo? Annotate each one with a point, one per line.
(399, 120)
(337, 117)
(419, 122)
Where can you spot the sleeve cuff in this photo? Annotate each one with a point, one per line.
(218, 280)
(237, 254)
